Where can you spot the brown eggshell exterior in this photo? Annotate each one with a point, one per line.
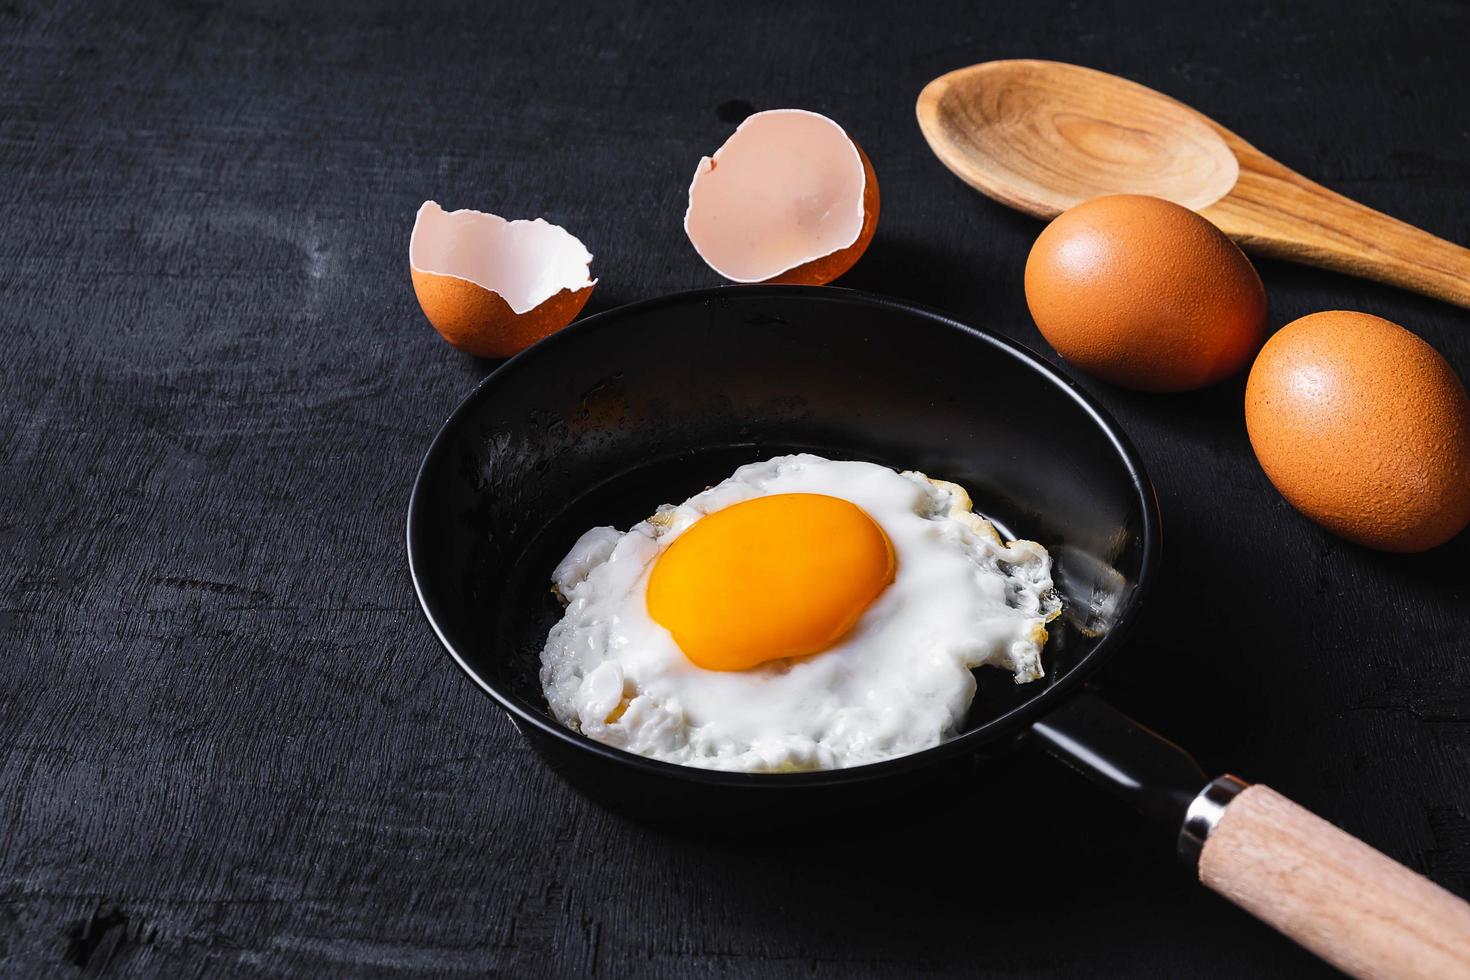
(1363, 428)
(819, 272)
(478, 321)
(1146, 294)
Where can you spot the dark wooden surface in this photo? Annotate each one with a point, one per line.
(229, 743)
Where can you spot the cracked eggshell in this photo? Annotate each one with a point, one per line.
(789, 198)
(493, 287)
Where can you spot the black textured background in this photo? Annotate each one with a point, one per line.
(230, 744)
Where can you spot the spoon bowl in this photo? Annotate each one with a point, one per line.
(1043, 141)
(1042, 136)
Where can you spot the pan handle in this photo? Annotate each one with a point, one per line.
(1319, 886)
(1155, 776)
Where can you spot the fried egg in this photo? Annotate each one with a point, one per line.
(803, 614)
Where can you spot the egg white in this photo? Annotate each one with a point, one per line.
(899, 682)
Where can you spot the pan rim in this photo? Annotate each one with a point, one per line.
(971, 742)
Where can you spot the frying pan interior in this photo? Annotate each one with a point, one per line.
(652, 402)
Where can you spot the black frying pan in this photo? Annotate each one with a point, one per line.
(652, 402)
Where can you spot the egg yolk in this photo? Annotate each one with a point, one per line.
(780, 576)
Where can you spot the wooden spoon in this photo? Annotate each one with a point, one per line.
(1042, 136)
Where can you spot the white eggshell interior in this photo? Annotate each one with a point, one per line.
(786, 188)
(524, 262)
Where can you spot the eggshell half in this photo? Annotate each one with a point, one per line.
(493, 287)
(789, 197)
(1364, 428)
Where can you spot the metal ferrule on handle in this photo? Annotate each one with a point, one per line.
(1204, 815)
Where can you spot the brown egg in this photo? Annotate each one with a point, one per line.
(1145, 294)
(1364, 428)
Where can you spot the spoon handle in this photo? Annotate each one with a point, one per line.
(1275, 211)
